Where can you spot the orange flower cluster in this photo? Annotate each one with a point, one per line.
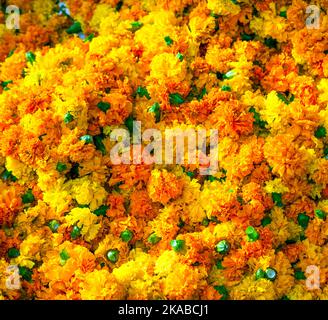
(75, 225)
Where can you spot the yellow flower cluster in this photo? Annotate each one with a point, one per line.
(75, 225)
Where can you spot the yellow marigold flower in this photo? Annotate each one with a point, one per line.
(299, 292)
(251, 69)
(274, 112)
(101, 285)
(136, 268)
(44, 8)
(282, 228)
(30, 249)
(84, 219)
(57, 198)
(20, 170)
(225, 230)
(223, 7)
(193, 212)
(251, 289)
(62, 262)
(201, 27)
(218, 58)
(166, 67)
(323, 89)
(185, 282)
(165, 225)
(269, 24)
(285, 158)
(276, 186)
(317, 231)
(170, 269)
(110, 242)
(86, 192)
(11, 68)
(219, 200)
(157, 25)
(101, 12)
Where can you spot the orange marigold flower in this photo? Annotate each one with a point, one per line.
(141, 205)
(286, 159)
(164, 186)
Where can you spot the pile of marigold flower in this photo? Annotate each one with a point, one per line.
(76, 226)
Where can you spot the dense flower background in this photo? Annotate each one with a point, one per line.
(78, 227)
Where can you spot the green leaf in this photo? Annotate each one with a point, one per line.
(177, 245)
(277, 199)
(156, 109)
(143, 92)
(28, 197)
(176, 99)
(320, 214)
(325, 153)
(64, 256)
(257, 119)
(101, 211)
(190, 174)
(30, 56)
(87, 139)
(247, 37)
(214, 15)
(74, 172)
(25, 273)
(76, 232)
(212, 178)
(283, 98)
(219, 265)
(320, 132)
(222, 290)
(83, 206)
(68, 118)
(129, 124)
(168, 41)
(303, 220)
(89, 38)
(229, 75)
(202, 94)
(271, 43)
(13, 253)
(226, 88)
(283, 14)
(11, 53)
(205, 222)
(8, 176)
(75, 28)
(299, 275)
(154, 239)
(259, 274)
(180, 56)
(119, 6)
(4, 84)
(53, 225)
(219, 76)
(136, 25)
(266, 221)
(98, 141)
(61, 167)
